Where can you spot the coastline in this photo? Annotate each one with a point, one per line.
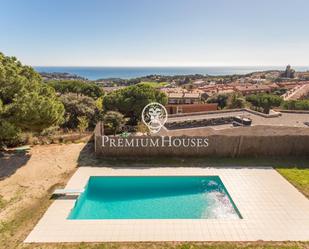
(95, 73)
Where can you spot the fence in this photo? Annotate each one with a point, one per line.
(218, 145)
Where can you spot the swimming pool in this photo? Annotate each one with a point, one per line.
(154, 197)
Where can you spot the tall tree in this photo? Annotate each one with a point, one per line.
(131, 100)
(27, 104)
(79, 87)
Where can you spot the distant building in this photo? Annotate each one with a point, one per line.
(225, 91)
(168, 89)
(288, 73)
(198, 82)
(191, 108)
(184, 98)
(274, 86)
(288, 85)
(303, 75)
(252, 89)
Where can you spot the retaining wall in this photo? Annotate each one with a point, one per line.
(219, 145)
(274, 115)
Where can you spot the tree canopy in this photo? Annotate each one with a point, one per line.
(264, 101)
(26, 103)
(236, 101)
(79, 87)
(79, 106)
(131, 100)
(221, 99)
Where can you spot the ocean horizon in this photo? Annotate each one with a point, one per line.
(94, 73)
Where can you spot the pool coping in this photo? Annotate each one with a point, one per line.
(272, 210)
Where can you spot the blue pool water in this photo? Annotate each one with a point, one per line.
(155, 197)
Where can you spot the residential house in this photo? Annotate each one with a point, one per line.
(252, 89)
(184, 98)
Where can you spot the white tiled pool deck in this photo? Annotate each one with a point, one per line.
(272, 210)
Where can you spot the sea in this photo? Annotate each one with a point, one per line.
(94, 73)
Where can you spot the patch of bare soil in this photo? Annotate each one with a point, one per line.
(26, 178)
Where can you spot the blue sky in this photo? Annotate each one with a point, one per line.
(156, 32)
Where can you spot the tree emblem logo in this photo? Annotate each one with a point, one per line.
(154, 116)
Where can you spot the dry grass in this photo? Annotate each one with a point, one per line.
(173, 245)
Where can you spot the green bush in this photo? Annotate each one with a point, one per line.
(264, 101)
(236, 101)
(79, 106)
(82, 124)
(220, 99)
(296, 105)
(10, 135)
(113, 122)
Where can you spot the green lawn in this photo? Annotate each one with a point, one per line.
(298, 177)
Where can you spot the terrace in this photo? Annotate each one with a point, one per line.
(271, 209)
(282, 119)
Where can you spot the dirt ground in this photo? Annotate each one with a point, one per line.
(26, 177)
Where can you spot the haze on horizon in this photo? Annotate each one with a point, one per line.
(156, 32)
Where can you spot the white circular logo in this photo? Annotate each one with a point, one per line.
(154, 116)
